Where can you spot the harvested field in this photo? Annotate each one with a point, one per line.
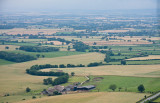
(146, 58)
(11, 47)
(114, 31)
(30, 31)
(97, 97)
(127, 70)
(55, 42)
(116, 43)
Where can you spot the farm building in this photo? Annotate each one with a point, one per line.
(90, 87)
(64, 90)
(50, 90)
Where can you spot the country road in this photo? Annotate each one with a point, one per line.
(152, 97)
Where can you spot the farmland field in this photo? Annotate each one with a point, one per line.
(50, 54)
(11, 47)
(17, 80)
(127, 70)
(5, 62)
(129, 84)
(29, 31)
(102, 97)
(86, 52)
(146, 58)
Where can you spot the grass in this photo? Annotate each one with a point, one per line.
(75, 79)
(5, 62)
(101, 97)
(157, 100)
(31, 40)
(129, 83)
(22, 44)
(50, 54)
(146, 58)
(143, 62)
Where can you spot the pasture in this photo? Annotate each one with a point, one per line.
(50, 54)
(127, 83)
(5, 62)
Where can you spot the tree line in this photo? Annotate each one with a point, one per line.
(15, 57)
(62, 77)
(38, 49)
(59, 39)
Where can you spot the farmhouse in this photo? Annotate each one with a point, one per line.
(50, 90)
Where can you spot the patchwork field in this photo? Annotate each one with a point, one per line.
(101, 97)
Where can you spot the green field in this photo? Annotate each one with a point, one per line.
(157, 100)
(22, 44)
(129, 83)
(5, 62)
(50, 54)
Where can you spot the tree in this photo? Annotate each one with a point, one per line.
(94, 43)
(43, 56)
(107, 58)
(38, 55)
(119, 54)
(72, 74)
(6, 47)
(113, 87)
(141, 88)
(119, 88)
(69, 48)
(52, 43)
(130, 48)
(28, 89)
(33, 97)
(123, 62)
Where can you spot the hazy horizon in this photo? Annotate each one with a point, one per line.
(56, 5)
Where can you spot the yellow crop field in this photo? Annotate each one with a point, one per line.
(95, 97)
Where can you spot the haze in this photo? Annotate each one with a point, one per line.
(38, 5)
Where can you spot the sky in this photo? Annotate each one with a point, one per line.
(38, 5)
